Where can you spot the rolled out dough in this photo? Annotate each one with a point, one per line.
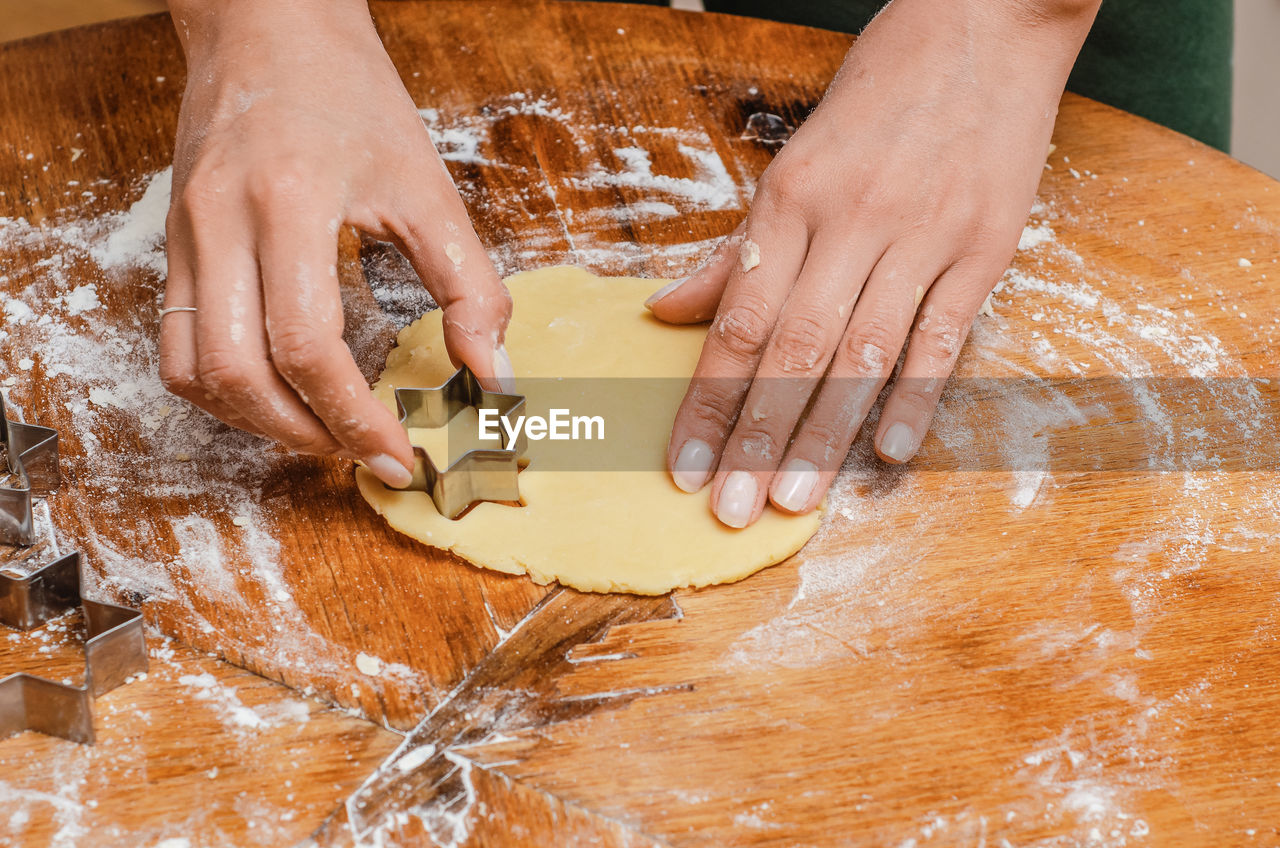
(604, 529)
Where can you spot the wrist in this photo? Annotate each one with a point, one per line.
(1045, 35)
(1028, 45)
(203, 26)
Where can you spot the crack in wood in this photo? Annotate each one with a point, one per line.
(513, 689)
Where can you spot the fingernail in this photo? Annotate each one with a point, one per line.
(389, 471)
(503, 372)
(692, 465)
(795, 485)
(664, 291)
(898, 442)
(737, 499)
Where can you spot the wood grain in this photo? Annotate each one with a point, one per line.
(195, 748)
(1031, 634)
(20, 20)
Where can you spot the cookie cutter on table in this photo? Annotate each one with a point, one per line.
(115, 649)
(31, 453)
(480, 474)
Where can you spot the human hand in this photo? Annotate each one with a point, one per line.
(898, 203)
(294, 122)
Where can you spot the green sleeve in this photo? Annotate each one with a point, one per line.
(1168, 61)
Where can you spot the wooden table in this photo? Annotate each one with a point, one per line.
(1027, 637)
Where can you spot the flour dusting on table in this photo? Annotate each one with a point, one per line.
(130, 439)
(623, 181)
(851, 607)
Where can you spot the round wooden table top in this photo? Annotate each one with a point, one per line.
(1058, 626)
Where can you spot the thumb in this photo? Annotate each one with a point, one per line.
(695, 298)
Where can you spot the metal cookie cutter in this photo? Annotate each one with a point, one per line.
(482, 474)
(115, 649)
(32, 456)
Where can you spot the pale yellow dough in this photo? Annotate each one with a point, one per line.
(594, 530)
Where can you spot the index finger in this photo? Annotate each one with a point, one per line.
(304, 321)
(437, 238)
(770, 258)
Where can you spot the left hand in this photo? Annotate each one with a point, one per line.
(891, 213)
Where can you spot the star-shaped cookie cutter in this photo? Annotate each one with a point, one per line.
(481, 474)
(115, 649)
(31, 454)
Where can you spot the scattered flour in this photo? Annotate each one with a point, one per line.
(106, 380)
(1035, 236)
(712, 188)
(104, 376)
(855, 608)
(235, 715)
(136, 238)
(16, 311)
(68, 813)
(638, 192)
(83, 299)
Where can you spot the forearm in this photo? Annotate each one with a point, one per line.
(1052, 30)
(1003, 57)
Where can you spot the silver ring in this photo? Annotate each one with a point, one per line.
(168, 309)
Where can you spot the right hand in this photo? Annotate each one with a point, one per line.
(294, 122)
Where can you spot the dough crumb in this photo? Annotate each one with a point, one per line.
(988, 309)
(1245, 263)
(371, 666)
(415, 758)
(240, 521)
(453, 250)
(749, 255)
(919, 295)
